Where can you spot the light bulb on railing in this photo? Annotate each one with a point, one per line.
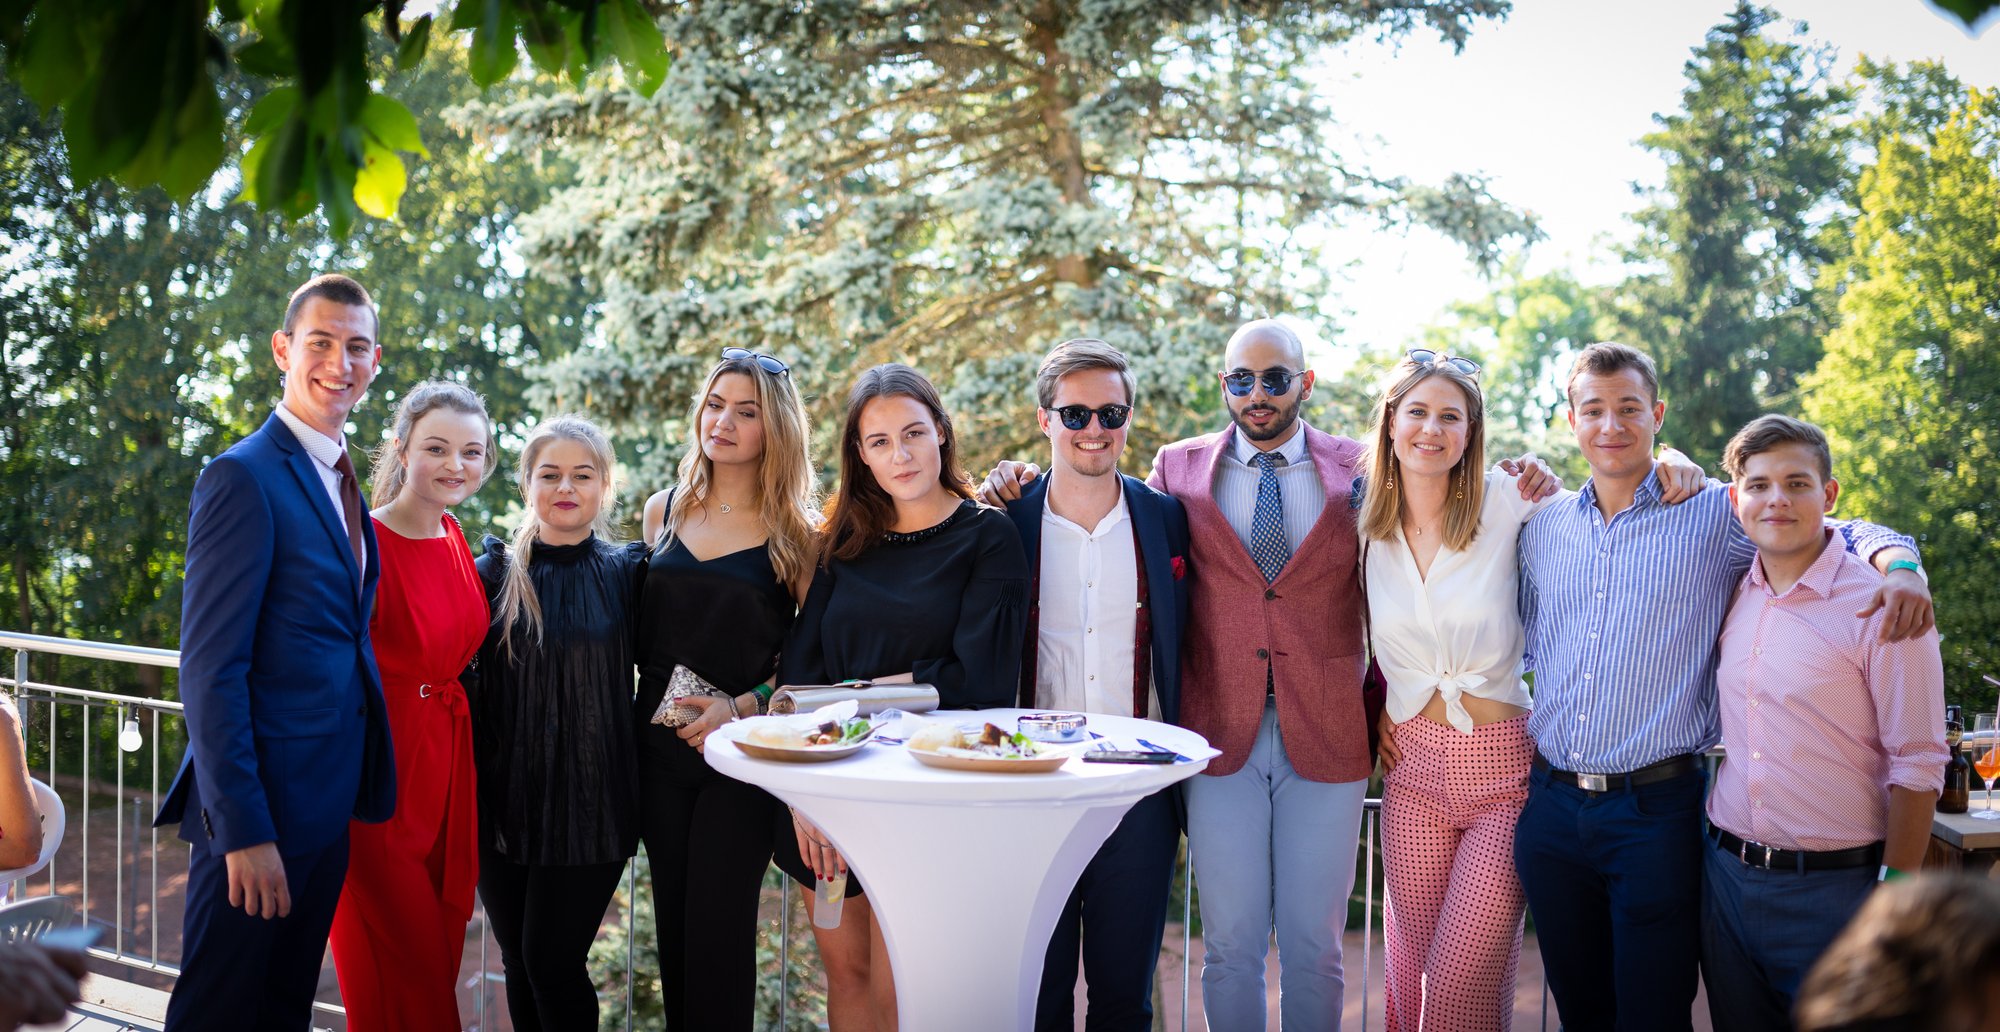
(130, 739)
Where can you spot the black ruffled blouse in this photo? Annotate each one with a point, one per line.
(552, 726)
(948, 603)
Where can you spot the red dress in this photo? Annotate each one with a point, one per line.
(399, 932)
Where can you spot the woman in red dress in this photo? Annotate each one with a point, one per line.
(399, 932)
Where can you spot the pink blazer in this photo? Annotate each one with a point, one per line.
(1308, 620)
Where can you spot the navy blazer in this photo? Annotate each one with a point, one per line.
(1163, 541)
(287, 735)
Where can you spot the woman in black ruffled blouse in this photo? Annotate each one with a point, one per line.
(552, 726)
(919, 583)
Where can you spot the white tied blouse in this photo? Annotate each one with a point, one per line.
(1458, 631)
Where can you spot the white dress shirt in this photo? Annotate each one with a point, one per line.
(1458, 631)
(325, 451)
(1299, 490)
(1089, 616)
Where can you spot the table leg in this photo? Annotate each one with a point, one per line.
(967, 897)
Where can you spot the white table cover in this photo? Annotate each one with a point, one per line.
(966, 871)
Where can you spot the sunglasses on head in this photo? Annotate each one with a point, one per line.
(1277, 382)
(766, 362)
(1425, 356)
(1076, 417)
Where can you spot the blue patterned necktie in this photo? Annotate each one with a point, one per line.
(1268, 545)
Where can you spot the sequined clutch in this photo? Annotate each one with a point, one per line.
(683, 684)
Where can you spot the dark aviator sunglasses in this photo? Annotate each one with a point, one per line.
(765, 362)
(1277, 382)
(1076, 417)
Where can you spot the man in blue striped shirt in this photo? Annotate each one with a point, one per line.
(1623, 598)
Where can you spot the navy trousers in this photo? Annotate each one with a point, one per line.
(240, 972)
(1116, 914)
(1614, 883)
(1762, 930)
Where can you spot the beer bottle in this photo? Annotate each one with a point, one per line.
(1957, 790)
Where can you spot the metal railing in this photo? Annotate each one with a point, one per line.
(46, 708)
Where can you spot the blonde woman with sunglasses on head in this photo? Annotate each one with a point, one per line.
(732, 554)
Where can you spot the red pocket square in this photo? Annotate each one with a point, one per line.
(1180, 566)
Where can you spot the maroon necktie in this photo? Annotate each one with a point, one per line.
(350, 504)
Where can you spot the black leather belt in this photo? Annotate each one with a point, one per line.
(1771, 858)
(1665, 770)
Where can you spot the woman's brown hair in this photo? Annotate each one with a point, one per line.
(861, 512)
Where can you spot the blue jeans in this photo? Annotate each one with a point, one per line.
(1762, 930)
(1614, 883)
(1272, 851)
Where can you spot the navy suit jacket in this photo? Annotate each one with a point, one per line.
(1163, 541)
(287, 735)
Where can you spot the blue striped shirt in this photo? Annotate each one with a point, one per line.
(1622, 620)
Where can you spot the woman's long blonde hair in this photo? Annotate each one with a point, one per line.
(1381, 516)
(429, 396)
(518, 602)
(785, 482)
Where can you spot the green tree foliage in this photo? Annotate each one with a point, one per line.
(136, 333)
(960, 185)
(1729, 249)
(1908, 388)
(143, 85)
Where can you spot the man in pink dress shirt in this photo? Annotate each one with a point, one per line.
(1834, 738)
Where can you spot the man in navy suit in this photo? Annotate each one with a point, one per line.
(1108, 560)
(287, 737)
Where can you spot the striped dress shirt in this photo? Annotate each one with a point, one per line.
(1622, 619)
(1299, 489)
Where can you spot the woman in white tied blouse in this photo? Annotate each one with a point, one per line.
(1438, 560)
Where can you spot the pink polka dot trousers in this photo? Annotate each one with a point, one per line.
(1453, 921)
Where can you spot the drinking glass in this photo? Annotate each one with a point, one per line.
(1985, 748)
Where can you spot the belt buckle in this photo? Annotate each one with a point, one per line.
(1594, 782)
(1767, 857)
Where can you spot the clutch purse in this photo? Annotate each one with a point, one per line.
(683, 684)
(869, 699)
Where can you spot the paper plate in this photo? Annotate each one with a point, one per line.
(808, 754)
(989, 764)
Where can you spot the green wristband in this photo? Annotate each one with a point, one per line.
(763, 692)
(1889, 874)
(1905, 564)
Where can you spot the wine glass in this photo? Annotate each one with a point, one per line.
(1986, 758)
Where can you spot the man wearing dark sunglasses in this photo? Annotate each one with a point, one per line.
(1107, 604)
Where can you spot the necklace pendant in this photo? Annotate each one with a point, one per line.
(725, 507)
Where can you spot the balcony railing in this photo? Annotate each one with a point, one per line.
(66, 728)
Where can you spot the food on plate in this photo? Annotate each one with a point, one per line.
(783, 735)
(991, 742)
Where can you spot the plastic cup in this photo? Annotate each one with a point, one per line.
(832, 892)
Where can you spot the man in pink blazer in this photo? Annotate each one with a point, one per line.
(1273, 663)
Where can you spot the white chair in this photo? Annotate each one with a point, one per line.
(53, 822)
(29, 919)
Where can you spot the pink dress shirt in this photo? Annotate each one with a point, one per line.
(1819, 717)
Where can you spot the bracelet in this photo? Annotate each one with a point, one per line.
(763, 694)
(1907, 564)
(1890, 874)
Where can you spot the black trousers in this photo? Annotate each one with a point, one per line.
(708, 841)
(545, 917)
(1115, 917)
